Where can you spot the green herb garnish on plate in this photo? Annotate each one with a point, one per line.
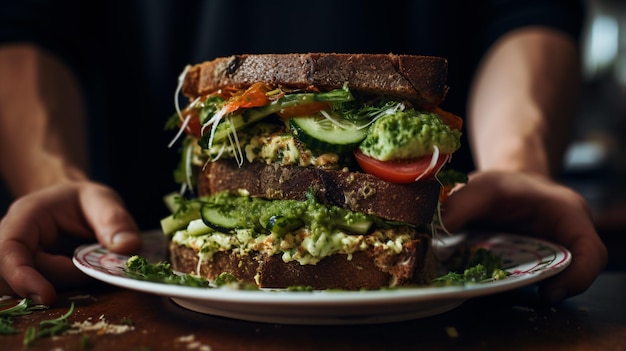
(472, 266)
(138, 267)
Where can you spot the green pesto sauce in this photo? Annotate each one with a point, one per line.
(303, 231)
(244, 209)
(270, 216)
(409, 134)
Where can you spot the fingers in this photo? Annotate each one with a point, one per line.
(577, 278)
(20, 276)
(34, 225)
(115, 229)
(26, 227)
(38, 281)
(532, 205)
(574, 229)
(470, 203)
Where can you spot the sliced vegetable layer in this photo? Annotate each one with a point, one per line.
(389, 140)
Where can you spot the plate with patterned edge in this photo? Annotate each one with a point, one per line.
(527, 259)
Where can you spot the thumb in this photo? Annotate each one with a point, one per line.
(465, 205)
(114, 227)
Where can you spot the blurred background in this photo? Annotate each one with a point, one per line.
(595, 164)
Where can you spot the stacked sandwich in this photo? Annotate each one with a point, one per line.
(316, 170)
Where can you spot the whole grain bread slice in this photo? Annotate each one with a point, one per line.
(412, 203)
(369, 269)
(418, 79)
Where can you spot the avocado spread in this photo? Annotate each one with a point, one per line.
(304, 231)
(409, 134)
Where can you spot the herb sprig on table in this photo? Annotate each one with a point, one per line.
(24, 307)
(49, 327)
(46, 328)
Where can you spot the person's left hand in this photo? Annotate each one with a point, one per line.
(532, 205)
(40, 231)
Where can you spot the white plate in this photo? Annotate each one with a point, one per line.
(529, 260)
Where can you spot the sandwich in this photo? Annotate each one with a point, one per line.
(315, 170)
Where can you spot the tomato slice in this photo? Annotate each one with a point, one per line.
(400, 171)
(193, 127)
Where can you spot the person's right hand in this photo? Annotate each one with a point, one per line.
(38, 227)
(530, 204)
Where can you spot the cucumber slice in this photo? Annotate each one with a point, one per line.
(252, 115)
(356, 227)
(218, 218)
(282, 225)
(170, 201)
(172, 223)
(176, 220)
(319, 133)
(198, 227)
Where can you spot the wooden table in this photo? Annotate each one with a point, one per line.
(515, 320)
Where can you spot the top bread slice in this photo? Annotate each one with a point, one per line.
(418, 79)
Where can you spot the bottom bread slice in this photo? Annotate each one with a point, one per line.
(368, 269)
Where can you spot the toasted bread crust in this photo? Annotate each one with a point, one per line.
(369, 269)
(413, 203)
(418, 79)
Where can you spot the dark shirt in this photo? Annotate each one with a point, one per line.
(128, 55)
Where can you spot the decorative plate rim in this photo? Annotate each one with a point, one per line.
(527, 259)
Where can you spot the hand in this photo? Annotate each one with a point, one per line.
(533, 205)
(36, 228)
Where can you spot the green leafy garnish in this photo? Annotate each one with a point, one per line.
(357, 112)
(226, 279)
(138, 267)
(48, 327)
(22, 308)
(479, 266)
(182, 174)
(85, 342)
(451, 177)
